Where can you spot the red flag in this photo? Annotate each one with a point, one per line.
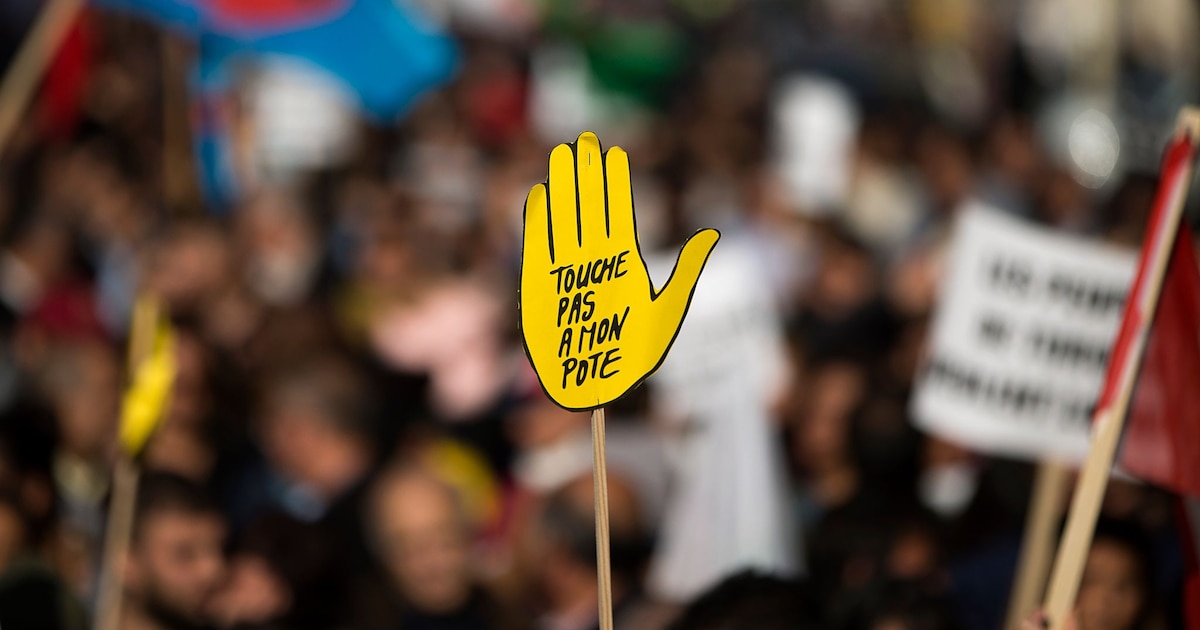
(1161, 443)
(65, 82)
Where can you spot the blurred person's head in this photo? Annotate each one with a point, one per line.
(189, 266)
(100, 178)
(1064, 201)
(946, 167)
(1115, 591)
(822, 439)
(182, 442)
(315, 425)
(14, 529)
(281, 247)
(1124, 214)
(422, 538)
(538, 423)
(845, 279)
(191, 399)
(914, 552)
(82, 382)
(175, 562)
(38, 257)
(752, 600)
(180, 450)
(565, 554)
(388, 256)
(1012, 150)
(912, 607)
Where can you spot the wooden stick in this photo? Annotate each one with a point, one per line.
(125, 484)
(1037, 549)
(1109, 422)
(116, 543)
(600, 488)
(181, 190)
(29, 65)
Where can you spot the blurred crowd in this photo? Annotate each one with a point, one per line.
(355, 438)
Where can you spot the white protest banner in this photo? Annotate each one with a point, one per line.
(1021, 337)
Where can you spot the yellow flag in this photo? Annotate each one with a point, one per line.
(149, 390)
(593, 323)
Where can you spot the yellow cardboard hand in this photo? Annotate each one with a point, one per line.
(593, 324)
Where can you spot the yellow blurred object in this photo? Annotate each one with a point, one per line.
(464, 470)
(145, 401)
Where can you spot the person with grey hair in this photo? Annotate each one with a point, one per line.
(421, 538)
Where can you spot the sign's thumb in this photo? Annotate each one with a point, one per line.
(676, 294)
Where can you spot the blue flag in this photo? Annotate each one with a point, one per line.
(385, 52)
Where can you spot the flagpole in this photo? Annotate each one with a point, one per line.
(1037, 547)
(119, 528)
(1109, 419)
(29, 65)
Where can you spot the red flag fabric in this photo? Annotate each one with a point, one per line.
(1161, 443)
(66, 79)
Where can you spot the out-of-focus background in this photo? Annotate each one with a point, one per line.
(326, 196)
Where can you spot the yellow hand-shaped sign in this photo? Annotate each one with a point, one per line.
(594, 325)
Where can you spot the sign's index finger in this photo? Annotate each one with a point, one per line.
(537, 247)
(564, 210)
(620, 195)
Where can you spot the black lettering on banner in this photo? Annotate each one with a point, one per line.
(1077, 412)
(587, 332)
(1010, 275)
(581, 278)
(564, 345)
(993, 330)
(570, 282)
(558, 280)
(587, 345)
(1067, 350)
(589, 304)
(563, 304)
(1021, 398)
(568, 366)
(1081, 294)
(576, 309)
(608, 359)
(620, 261)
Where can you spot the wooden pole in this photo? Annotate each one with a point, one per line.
(180, 188)
(1037, 549)
(125, 483)
(29, 65)
(1109, 421)
(600, 488)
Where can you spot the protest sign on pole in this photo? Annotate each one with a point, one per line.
(592, 323)
(1021, 338)
(1017, 356)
